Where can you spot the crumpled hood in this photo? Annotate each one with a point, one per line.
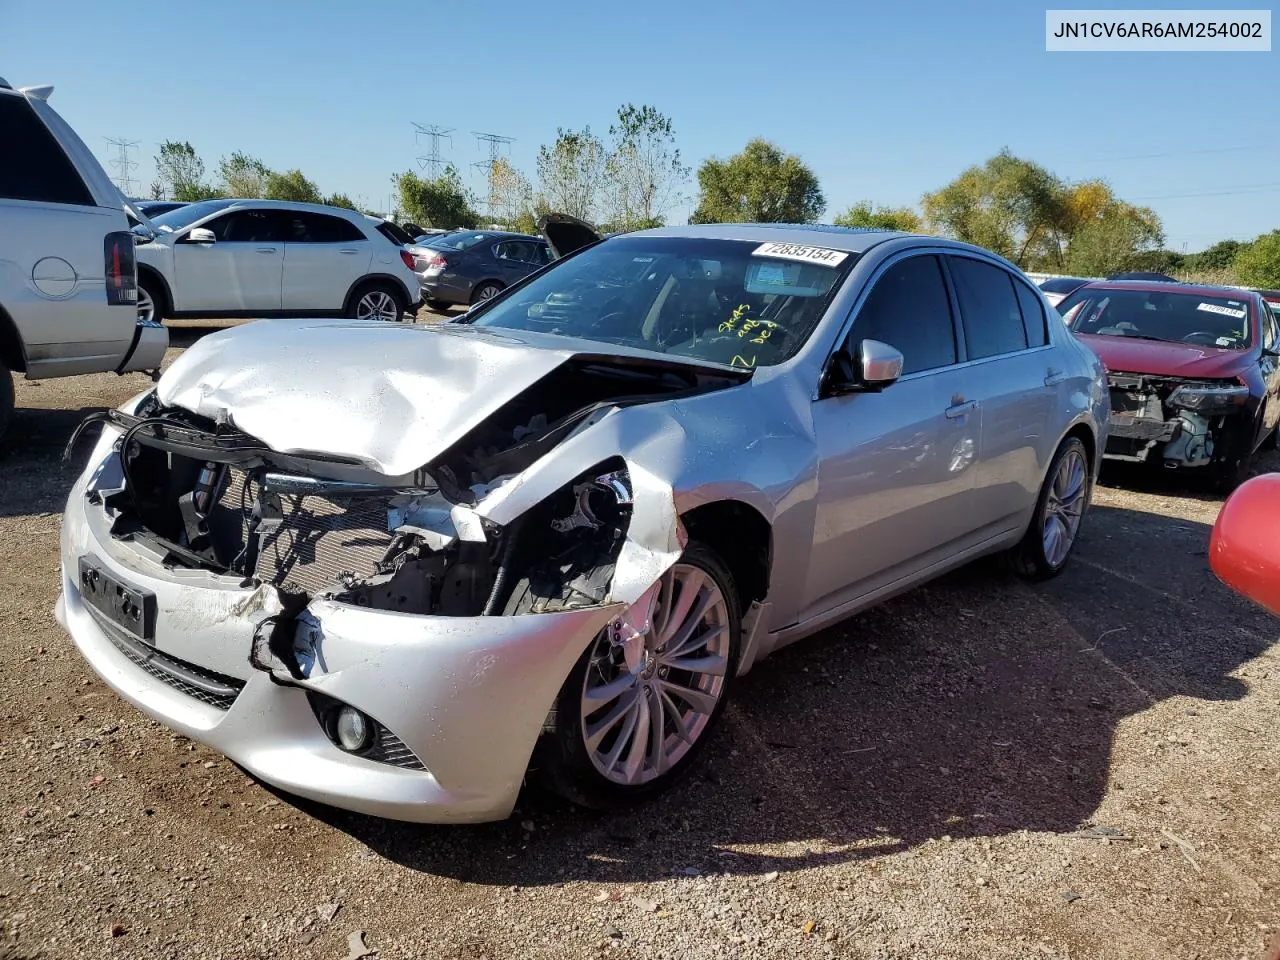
(393, 396)
(1130, 355)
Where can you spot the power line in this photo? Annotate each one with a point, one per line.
(1245, 188)
(435, 133)
(123, 164)
(1164, 154)
(496, 142)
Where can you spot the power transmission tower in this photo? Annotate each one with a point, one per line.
(435, 133)
(123, 164)
(496, 142)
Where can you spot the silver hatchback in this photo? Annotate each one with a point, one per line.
(399, 568)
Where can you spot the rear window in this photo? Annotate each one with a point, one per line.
(463, 240)
(33, 165)
(1208, 320)
(394, 234)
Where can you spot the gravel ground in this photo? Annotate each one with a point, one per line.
(982, 768)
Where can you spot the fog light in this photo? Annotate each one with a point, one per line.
(354, 730)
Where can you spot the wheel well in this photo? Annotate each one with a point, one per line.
(155, 275)
(1086, 437)
(12, 354)
(371, 279)
(742, 538)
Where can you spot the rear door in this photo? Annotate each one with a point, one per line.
(896, 468)
(240, 271)
(1014, 376)
(517, 259)
(323, 258)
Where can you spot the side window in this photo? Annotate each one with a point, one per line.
(988, 308)
(544, 254)
(1032, 314)
(33, 165)
(319, 228)
(1268, 328)
(250, 226)
(502, 251)
(908, 308)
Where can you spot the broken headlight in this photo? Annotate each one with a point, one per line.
(1210, 397)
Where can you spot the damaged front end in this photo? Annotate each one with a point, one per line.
(1178, 422)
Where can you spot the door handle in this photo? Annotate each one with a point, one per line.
(353, 252)
(266, 250)
(1053, 377)
(958, 410)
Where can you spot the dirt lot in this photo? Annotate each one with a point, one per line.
(980, 769)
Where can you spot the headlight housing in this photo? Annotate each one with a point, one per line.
(1210, 397)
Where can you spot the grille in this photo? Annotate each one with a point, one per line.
(215, 689)
(388, 748)
(319, 540)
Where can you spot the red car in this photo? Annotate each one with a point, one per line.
(1243, 550)
(1192, 369)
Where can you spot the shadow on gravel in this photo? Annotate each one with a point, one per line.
(33, 478)
(975, 706)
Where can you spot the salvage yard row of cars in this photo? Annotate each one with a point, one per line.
(543, 539)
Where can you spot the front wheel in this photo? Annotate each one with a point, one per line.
(638, 708)
(151, 302)
(377, 301)
(1047, 545)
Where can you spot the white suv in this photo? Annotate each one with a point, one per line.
(259, 258)
(68, 281)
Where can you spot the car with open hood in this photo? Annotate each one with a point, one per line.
(398, 568)
(1192, 371)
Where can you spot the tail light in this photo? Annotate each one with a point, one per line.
(407, 257)
(435, 260)
(121, 269)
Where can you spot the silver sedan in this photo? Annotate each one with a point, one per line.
(399, 569)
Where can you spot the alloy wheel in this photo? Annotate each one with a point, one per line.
(1064, 507)
(377, 305)
(146, 306)
(650, 693)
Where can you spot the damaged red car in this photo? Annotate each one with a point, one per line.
(1192, 371)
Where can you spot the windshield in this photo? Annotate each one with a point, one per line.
(1203, 320)
(189, 214)
(462, 240)
(738, 303)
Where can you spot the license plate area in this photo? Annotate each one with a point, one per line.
(129, 608)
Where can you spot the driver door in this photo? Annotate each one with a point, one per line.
(896, 468)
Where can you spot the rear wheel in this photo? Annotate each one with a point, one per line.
(1047, 545)
(6, 398)
(377, 301)
(440, 306)
(486, 291)
(640, 705)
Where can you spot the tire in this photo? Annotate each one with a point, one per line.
(1063, 499)
(562, 759)
(6, 399)
(152, 303)
(377, 300)
(440, 306)
(486, 291)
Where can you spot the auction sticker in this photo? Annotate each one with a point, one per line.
(1225, 311)
(796, 251)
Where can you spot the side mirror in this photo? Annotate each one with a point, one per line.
(201, 235)
(875, 366)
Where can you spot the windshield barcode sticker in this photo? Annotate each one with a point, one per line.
(795, 251)
(1225, 311)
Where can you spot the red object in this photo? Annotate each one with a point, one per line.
(1244, 549)
(436, 260)
(1128, 355)
(407, 257)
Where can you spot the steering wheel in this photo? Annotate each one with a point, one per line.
(1210, 338)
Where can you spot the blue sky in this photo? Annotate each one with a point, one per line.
(883, 101)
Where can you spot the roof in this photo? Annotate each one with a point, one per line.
(851, 239)
(289, 205)
(1164, 286)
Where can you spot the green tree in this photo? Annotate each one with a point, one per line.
(571, 173)
(1258, 263)
(181, 170)
(759, 185)
(441, 201)
(1221, 256)
(866, 214)
(293, 186)
(1113, 241)
(644, 176)
(340, 200)
(511, 197)
(243, 176)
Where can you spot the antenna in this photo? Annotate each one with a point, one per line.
(436, 133)
(123, 164)
(496, 142)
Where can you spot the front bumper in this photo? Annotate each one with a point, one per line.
(467, 696)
